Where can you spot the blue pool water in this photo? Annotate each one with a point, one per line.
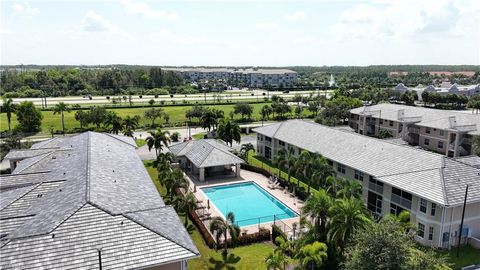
(249, 202)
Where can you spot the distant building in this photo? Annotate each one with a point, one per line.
(250, 77)
(87, 202)
(394, 177)
(444, 131)
(444, 89)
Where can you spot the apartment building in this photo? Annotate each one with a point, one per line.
(394, 177)
(444, 89)
(251, 77)
(87, 202)
(443, 131)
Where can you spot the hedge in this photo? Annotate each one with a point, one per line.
(262, 235)
(276, 231)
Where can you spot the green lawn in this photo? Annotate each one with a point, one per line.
(468, 256)
(199, 136)
(140, 142)
(246, 257)
(176, 113)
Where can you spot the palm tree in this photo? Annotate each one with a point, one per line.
(157, 140)
(284, 247)
(229, 131)
(173, 180)
(346, 216)
(9, 108)
(131, 123)
(287, 160)
(317, 206)
(185, 204)
(313, 255)
(320, 171)
(60, 108)
(115, 121)
(220, 227)
(208, 120)
(349, 188)
(276, 261)
(304, 167)
(245, 149)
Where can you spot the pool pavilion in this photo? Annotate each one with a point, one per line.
(206, 158)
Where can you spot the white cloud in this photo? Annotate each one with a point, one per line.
(24, 9)
(266, 25)
(402, 19)
(140, 8)
(296, 16)
(93, 22)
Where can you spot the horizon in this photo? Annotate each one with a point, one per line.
(240, 33)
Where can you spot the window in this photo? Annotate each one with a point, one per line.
(421, 230)
(423, 205)
(282, 143)
(430, 233)
(268, 139)
(395, 209)
(341, 168)
(375, 185)
(358, 175)
(440, 145)
(381, 121)
(441, 132)
(426, 141)
(427, 130)
(390, 123)
(374, 203)
(268, 152)
(401, 197)
(433, 210)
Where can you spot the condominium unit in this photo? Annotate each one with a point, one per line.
(394, 177)
(442, 131)
(87, 202)
(251, 77)
(444, 89)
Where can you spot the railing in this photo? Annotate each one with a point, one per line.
(402, 201)
(265, 219)
(411, 119)
(466, 128)
(375, 187)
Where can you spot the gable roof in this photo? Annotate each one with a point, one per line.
(88, 170)
(425, 174)
(205, 153)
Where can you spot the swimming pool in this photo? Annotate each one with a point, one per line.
(250, 203)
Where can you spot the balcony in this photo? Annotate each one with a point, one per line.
(375, 187)
(401, 201)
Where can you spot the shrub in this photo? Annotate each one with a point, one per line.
(262, 235)
(175, 136)
(276, 231)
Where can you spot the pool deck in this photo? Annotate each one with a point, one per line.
(247, 176)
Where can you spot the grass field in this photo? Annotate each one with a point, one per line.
(468, 256)
(243, 258)
(176, 113)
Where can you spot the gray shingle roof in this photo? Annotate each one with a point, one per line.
(422, 173)
(13, 180)
(206, 153)
(432, 118)
(98, 171)
(22, 154)
(124, 244)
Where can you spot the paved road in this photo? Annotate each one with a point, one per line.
(257, 93)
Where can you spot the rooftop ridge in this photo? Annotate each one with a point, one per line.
(444, 189)
(87, 175)
(44, 156)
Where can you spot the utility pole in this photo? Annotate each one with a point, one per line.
(461, 223)
(99, 258)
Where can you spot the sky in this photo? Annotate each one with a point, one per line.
(240, 33)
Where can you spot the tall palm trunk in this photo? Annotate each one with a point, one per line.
(225, 250)
(63, 123)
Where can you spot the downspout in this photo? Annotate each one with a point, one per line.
(450, 229)
(442, 223)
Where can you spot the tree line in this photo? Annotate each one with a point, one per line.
(87, 81)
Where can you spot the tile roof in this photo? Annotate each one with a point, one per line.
(124, 244)
(206, 153)
(428, 175)
(94, 171)
(433, 118)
